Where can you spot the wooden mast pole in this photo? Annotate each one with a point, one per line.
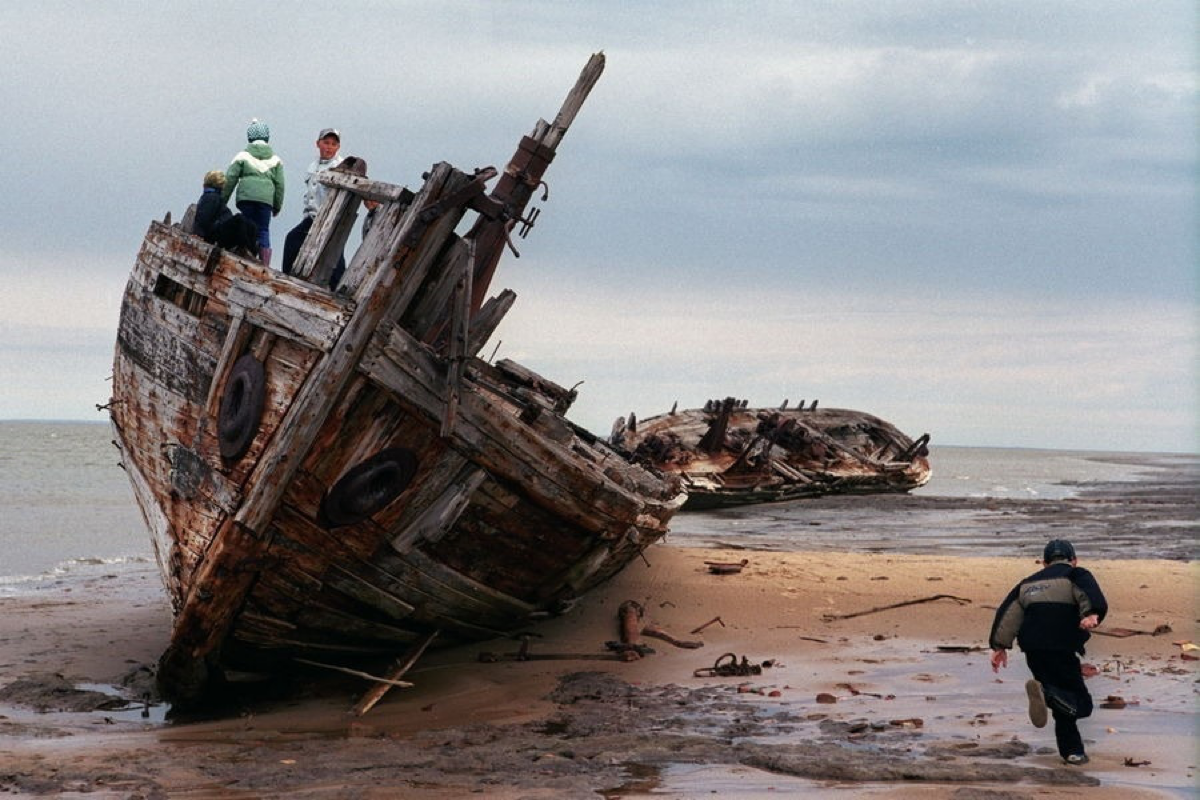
(521, 179)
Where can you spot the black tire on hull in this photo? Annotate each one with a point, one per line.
(241, 407)
(368, 487)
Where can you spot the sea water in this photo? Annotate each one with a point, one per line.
(66, 505)
(65, 502)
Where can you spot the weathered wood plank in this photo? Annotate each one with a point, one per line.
(287, 314)
(503, 445)
(484, 324)
(326, 239)
(460, 335)
(439, 516)
(364, 188)
(429, 312)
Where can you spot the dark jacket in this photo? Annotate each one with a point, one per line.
(1043, 611)
(211, 211)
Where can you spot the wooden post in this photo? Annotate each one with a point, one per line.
(522, 177)
(460, 337)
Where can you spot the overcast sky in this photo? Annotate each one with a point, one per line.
(976, 220)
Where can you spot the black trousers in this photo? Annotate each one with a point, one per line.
(1061, 677)
(291, 249)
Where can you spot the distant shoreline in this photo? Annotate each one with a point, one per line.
(933, 447)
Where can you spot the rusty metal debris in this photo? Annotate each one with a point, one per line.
(727, 665)
(631, 616)
(710, 622)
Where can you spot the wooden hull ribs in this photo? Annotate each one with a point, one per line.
(337, 477)
(728, 454)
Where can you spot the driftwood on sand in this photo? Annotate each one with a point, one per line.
(890, 606)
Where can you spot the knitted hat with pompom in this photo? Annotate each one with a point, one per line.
(258, 130)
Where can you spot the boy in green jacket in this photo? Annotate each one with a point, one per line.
(257, 175)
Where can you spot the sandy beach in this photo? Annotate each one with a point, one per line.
(850, 701)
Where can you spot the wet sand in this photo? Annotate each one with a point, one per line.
(856, 702)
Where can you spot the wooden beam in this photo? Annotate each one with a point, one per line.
(494, 438)
(364, 188)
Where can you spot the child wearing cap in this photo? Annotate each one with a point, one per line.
(257, 175)
(329, 141)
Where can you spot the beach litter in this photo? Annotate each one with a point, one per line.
(727, 665)
(710, 622)
(1122, 633)
(1114, 701)
(960, 600)
(726, 567)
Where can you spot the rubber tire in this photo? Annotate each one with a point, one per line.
(241, 407)
(368, 487)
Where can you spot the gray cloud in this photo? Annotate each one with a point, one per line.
(923, 151)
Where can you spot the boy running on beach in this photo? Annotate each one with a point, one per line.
(1049, 614)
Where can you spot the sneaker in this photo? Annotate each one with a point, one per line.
(1076, 759)
(1037, 703)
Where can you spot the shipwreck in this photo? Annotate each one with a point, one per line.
(728, 454)
(338, 478)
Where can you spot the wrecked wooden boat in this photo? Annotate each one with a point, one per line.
(728, 454)
(337, 477)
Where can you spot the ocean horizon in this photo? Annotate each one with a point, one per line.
(67, 505)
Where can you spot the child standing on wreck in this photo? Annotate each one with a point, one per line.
(257, 175)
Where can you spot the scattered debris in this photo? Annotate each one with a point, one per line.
(857, 692)
(1122, 633)
(1116, 701)
(630, 652)
(659, 633)
(959, 600)
(726, 567)
(710, 622)
(960, 648)
(911, 722)
(727, 665)
(402, 665)
(1129, 762)
(629, 616)
(826, 697)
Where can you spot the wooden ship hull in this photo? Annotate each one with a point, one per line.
(337, 477)
(727, 454)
